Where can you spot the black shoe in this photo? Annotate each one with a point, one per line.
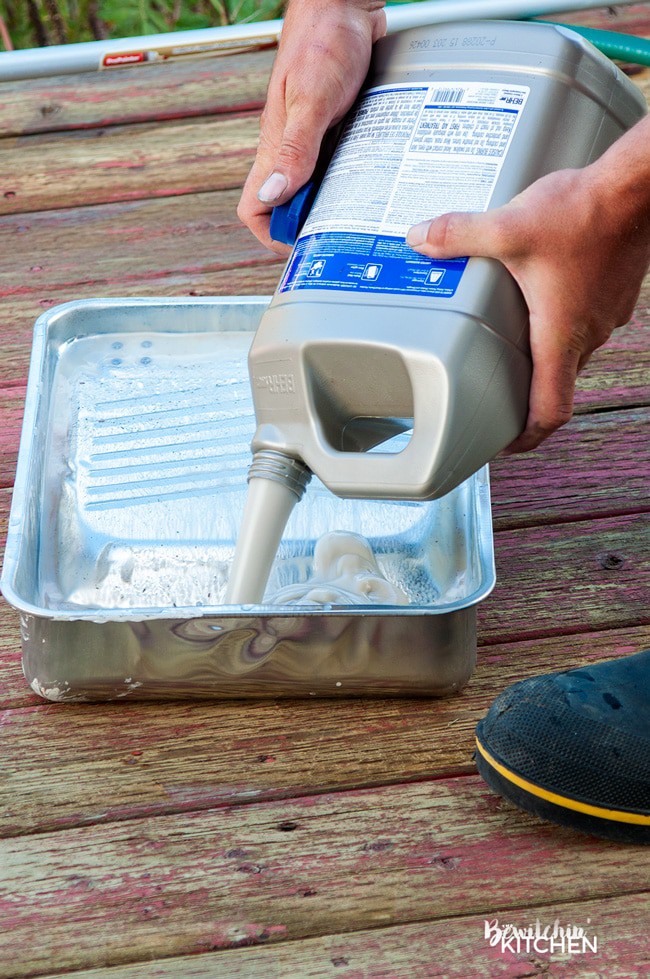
(575, 747)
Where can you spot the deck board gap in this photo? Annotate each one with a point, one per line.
(171, 194)
(550, 520)
(562, 630)
(238, 110)
(606, 409)
(212, 805)
(577, 518)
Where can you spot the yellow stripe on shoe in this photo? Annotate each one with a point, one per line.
(616, 815)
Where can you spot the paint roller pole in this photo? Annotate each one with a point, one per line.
(62, 59)
(401, 17)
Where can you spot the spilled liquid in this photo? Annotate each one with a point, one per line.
(345, 572)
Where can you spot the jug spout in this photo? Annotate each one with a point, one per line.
(281, 468)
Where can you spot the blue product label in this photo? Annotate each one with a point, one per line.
(409, 152)
(368, 263)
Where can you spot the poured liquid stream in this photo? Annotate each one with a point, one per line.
(268, 507)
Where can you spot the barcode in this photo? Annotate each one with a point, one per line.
(448, 95)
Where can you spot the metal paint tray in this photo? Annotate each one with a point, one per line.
(129, 491)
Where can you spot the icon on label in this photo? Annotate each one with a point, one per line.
(371, 272)
(316, 268)
(435, 276)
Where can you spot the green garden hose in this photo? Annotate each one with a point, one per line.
(618, 47)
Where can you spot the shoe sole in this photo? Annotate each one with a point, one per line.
(621, 826)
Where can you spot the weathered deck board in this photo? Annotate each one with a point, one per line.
(446, 948)
(121, 163)
(595, 466)
(153, 92)
(12, 401)
(114, 246)
(114, 163)
(70, 765)
(632, 19)
(303, 867)
(568, 578)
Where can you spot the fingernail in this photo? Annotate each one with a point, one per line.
(417, 235)
(272, 188)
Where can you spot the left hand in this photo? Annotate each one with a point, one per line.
(322, 60)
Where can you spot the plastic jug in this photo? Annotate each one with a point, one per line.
(365, 338)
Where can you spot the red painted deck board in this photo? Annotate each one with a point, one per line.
(446, 949)
(303, 867)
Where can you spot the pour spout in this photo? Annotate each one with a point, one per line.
(284, 469)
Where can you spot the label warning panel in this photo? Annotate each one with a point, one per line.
(410, 153)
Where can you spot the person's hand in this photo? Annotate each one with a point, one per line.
(578, 244)
(322, 61)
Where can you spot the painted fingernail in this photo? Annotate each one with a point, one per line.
(417, 235)
(272, 188)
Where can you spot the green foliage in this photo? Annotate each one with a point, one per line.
(36, 23)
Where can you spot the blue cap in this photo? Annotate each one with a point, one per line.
(287, 219)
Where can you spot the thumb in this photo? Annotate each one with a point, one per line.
(291, 161)
(285, 160)
(460, 233)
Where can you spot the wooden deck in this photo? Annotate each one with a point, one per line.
(339, 839)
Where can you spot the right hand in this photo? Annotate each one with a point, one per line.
(578, 244)
(321, 64)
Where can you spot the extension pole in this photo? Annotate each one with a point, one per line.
(63, 59)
